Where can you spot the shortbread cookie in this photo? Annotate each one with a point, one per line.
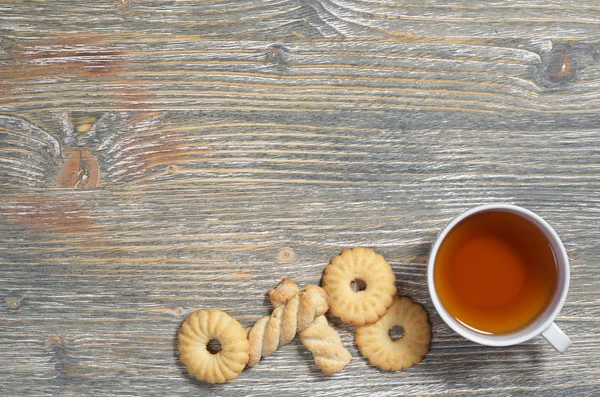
(199, 329)
(283, 292)
(374, 342)
(297, 314)
(326, 346)
(320, 339)
(360, 307)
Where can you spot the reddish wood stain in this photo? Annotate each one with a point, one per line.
(38, 213)
(142, 117)
(70, 61)
(67, 59)
(132, 98)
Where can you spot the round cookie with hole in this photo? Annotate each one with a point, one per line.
(399, 339)
(213, 346)
(360, 285)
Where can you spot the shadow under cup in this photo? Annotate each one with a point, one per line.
(489, 278)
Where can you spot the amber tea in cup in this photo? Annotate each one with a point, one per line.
(495, 272)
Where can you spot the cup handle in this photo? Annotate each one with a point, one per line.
(557, 338)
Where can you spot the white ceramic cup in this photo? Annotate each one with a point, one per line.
(544, 324)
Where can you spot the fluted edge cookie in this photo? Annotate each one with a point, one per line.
(195, 333)
(375, 344)
(360, 307)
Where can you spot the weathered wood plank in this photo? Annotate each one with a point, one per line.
(175, 149)
(472, 77)
(302, 19)
(158, 157)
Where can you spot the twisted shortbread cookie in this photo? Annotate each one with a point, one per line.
(297, 314)
(320, 339)
(326, 346)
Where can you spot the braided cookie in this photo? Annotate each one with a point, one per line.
(368, 305)
(320, 339)
(374, 342)
(297, 314)
(283, 292)
(199, 329)
(326, 346)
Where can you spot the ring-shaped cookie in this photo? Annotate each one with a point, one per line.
(360, 307)
(199, 329)
(374, 341)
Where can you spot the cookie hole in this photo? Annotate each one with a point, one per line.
(213, 346)
(396, 332)
(358, 285)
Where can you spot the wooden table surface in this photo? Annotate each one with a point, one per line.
(157, 157)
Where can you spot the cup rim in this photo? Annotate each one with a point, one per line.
(532, 330)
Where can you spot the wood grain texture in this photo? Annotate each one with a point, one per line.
(158, 157)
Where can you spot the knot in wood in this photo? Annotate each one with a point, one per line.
(278, 55)
(13, 303)
(286, 255)
(559, 66)
(79, 171)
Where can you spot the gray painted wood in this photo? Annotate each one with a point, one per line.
(228, 144)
